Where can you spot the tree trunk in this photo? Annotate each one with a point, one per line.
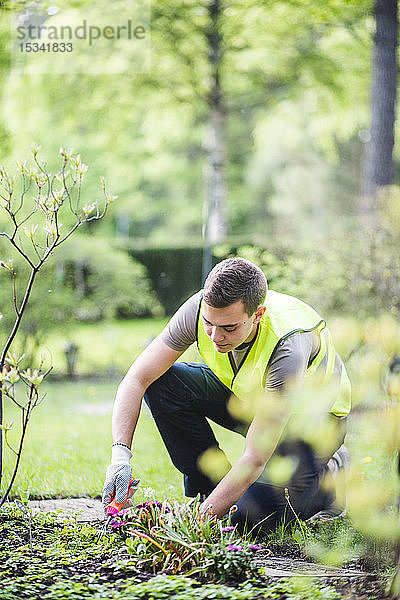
(379, 152)
(214, 228)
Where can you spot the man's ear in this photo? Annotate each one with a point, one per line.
(259, 314)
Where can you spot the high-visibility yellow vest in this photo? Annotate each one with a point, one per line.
(285, 316)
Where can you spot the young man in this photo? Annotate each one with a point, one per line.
(257, 346)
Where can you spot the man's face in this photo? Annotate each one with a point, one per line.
(231, 326)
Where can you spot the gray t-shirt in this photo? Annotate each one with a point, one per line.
(290, 360)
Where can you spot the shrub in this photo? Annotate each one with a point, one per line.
(105, 280)
(89, 281)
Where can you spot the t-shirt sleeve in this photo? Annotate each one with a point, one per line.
(180, 332)
(290, 361)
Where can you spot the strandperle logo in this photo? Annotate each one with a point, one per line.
(84, 31)
(93, 38)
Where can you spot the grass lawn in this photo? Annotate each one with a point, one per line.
(67, 448)
(106, 348)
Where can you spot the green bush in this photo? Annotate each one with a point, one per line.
(89, 281)
(106, 282)
(358, 276)
(168, 536)
(175, 273)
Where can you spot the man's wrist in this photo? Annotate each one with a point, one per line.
(120, 454)
(121, 444)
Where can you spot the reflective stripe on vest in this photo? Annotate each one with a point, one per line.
(285, 316)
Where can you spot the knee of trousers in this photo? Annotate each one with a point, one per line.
(160, 388)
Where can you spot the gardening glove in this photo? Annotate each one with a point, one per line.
(118, 476)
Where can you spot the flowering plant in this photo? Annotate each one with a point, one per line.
(173, 537)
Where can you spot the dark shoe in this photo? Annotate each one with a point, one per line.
(338, 465)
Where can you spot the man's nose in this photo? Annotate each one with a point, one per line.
(215, 335)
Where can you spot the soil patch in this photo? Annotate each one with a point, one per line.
(110, 568)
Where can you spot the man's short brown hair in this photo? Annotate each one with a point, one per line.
(235, 279)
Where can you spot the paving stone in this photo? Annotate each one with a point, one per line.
(289, 567)
(84, 509)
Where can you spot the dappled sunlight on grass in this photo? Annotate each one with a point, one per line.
(67, 449)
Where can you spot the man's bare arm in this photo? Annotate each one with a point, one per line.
(261, 440)
(149, 366)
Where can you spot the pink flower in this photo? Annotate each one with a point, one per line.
(234, 547)
(149, 504)
(255, 547)
(228, 528)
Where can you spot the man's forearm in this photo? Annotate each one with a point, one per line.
(232, 487)
(126, 409)
(258, 450)
(149, 366)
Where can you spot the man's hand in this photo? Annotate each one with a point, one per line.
(116, 484)
(118, 476)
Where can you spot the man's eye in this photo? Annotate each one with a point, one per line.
(230, 329)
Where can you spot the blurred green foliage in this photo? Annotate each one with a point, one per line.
(295, 80)
(89, 281)
(105, 281)
(335, 276)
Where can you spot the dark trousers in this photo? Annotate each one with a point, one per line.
(182, 399)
